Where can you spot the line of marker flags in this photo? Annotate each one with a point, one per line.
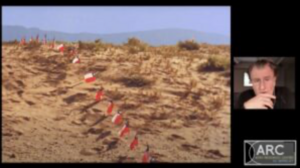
(89, 78)
(60, 47)
(117, 117)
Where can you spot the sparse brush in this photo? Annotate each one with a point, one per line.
(33, 45)
(134, 42)
(217, 102)
(135, 46)
(148, 99)
(134, 81)
(188, 45)
(215, 63)
(214, 51)
(13, 42)
(85, 46)
(129, 106)
(96, 46)
(114, 95)
(134, 50)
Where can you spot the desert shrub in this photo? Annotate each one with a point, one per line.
(217, 102)
(92, 46)
(136, 49)
(97, 41)
(86, 45)
(135, 45)
(33, 45)
(13, 42)
(115, 95)
(134, 81)
(188, 45)
(215, 63)
(134, 42)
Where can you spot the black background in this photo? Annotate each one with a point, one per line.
(257, 29)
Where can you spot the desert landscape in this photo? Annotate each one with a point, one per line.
(176, 99)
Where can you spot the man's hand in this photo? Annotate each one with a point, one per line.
(261, 101)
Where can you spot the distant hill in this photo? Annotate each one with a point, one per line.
(152, 37)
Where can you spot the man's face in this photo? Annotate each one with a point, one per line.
(263, 80)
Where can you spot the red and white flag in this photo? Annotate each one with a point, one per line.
(117, 119)
(99, 95)
(52, 45)
(134, 143)
(61, 47)
(23, 41)
(45, 42)
(45, 39)
(124, 130)
(110, 108)
(76, 60)
(146, 157)
(37, 39)
(88, 78)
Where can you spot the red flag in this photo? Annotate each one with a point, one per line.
(22, 42)
(99, 95)
(146, 157)
(89, 78)
(45, 40)
(76, 60)
(110, 108)
(124, 130)
(117, 118)
(134, 143)
(37, 38)
(61, 48)
(52, 45)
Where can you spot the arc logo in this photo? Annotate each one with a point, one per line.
(270, 152)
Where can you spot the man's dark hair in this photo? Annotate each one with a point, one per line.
(262, 63)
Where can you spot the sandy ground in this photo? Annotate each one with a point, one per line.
(184, 115)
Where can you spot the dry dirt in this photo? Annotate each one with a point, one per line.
(183, 114)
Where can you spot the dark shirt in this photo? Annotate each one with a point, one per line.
(284, 98)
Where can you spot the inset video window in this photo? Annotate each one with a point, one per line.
(264, 83)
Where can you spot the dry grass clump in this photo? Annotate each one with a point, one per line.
(135, 45)
(188, 45)
(134, 81)
(215, 63)
(93, 46)
(33, 45)
(13, 42)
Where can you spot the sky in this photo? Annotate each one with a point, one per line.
(113, 19)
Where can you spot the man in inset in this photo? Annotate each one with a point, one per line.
(265, 94)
